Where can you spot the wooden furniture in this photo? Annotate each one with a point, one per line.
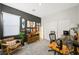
(10, 45)
(32, 31)
(0, 43)
(0, 47)
(32, 37)
(55, 48)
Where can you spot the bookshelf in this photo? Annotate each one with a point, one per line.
(32, 31)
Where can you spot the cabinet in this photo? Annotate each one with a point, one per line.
(32, 31)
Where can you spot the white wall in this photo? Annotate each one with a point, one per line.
(60, 21)
(41, 31)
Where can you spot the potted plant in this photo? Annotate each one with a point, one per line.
(21, 36)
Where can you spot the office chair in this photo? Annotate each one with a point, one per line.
(52, 36)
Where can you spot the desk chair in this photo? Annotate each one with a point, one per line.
(52, 36)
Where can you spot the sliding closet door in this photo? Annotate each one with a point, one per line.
(11, 24)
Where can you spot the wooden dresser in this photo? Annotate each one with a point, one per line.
(32, 37)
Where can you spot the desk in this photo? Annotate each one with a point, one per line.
(54, 47)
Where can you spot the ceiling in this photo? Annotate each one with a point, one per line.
(41, 9)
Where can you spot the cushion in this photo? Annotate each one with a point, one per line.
(9, 39)
(10, 43)
(53, 45)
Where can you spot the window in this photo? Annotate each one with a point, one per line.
(11, 24)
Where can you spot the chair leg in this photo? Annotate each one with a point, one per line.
(50, 50)
(54, 52)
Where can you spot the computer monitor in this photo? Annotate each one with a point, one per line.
(65, 32)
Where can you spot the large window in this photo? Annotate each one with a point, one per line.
(11, 24)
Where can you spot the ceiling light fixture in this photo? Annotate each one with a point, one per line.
(33, 9)
(40, 4)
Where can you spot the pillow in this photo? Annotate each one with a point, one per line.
(11, 38)
(13, 42)
(10, 43)
(8, 39)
